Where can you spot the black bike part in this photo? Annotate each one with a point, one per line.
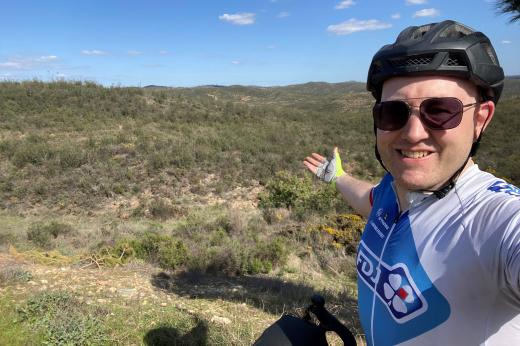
(329, 322)
(290, 330)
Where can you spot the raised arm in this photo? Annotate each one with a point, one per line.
(355, 191)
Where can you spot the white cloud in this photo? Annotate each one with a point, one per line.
(283, 15)
(354, 25)
(506, 42)
(29, 63)
(344, 4)
(134, 53)
(15, 65)
(272, 46)
(236, 62)
(94, 52)
(427, 12)
(396, 16)
(245, 18)
(47, 58)
(416, 2)
(164, 52)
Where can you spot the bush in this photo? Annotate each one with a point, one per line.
(42, 234)
(70, 156)
(163, 250)
(14, 274)
(238, 256)
(267, 254)
(31, 152)
(64, 320)
(162, 209)
(345, 230)
(285, 190)
(300, 195)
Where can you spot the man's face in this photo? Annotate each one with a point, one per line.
(422, 159)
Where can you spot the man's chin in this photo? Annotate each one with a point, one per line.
(415, 185)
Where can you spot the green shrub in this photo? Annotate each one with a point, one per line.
(162, 209)
(267, 254)
(31, 152)
(14, 274)
(238, 256)
(163, 250)
(300, 195)
(63, 320)
(70, 156)
(42, 234)
(285, 190)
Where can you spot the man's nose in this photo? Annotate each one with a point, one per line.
(414, 130)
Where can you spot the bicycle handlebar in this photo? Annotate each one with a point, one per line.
(329, 322)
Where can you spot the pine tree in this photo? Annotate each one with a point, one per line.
(509, 6)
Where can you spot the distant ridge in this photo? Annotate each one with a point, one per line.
(314, 88)
(156, 87)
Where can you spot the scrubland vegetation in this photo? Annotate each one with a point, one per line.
(191, 185)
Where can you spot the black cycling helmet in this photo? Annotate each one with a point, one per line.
(447, 48)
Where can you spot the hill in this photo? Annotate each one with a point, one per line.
(184, 187)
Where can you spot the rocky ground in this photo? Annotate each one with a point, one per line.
(223, 303)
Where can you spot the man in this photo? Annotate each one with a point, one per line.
(439, 260)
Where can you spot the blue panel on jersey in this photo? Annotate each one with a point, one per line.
(397, 300)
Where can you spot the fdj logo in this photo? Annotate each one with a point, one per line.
(393, 285)
(501, 186)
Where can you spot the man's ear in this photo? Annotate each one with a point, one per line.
(483, 117)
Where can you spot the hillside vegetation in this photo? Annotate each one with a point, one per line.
(202, 187)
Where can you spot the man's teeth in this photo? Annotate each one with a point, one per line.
(414, 154)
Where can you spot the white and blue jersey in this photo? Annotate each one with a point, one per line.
(443, 272)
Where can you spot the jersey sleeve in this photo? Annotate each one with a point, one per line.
(509, 258)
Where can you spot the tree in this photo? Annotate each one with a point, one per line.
(509, 6)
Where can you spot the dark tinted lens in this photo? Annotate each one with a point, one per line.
(441, 113)
(390, 115)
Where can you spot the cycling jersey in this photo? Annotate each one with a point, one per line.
(445, 271)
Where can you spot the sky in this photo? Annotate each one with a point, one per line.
(183, 43)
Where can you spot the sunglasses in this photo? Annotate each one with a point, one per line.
(436, 113)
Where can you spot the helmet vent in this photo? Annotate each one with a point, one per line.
(452, 62)
(412, 61)
(455, 60)
(420, 31)
(456, 31)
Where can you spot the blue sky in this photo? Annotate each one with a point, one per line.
(248, 42)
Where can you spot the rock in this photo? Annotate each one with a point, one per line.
(220, 320)
(127, 292)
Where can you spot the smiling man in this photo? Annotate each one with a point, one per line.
(439, 260)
